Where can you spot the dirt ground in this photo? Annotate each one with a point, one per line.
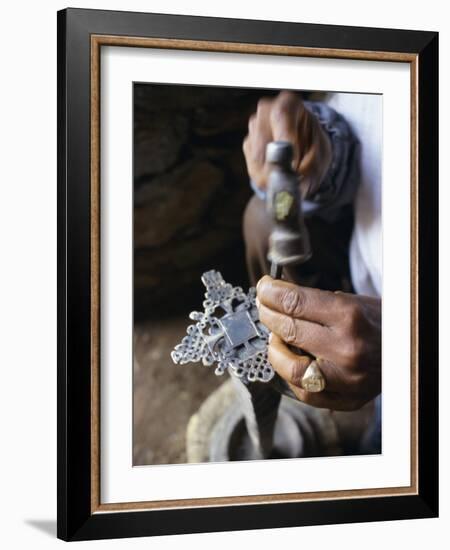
(165, 394)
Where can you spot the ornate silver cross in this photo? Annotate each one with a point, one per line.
(228, 333)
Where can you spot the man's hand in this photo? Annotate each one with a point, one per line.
(342, 331)
(285, 118)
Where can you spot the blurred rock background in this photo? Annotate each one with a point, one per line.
(190, 191)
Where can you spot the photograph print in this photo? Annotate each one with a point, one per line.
(257, 274)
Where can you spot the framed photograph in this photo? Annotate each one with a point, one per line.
(247, 256)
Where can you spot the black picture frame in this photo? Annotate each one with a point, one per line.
(76, 519)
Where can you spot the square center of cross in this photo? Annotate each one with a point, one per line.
(238, 328)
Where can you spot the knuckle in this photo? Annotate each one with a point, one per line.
(252, 155)
(354, 351)
(259, 155)
(289, 331)
(296, 373)
(284, 104)
(263, 106)
(357, 379)
(292, 302)
(340, 301)
(358, 347)
(287, 98)
(279, 112)
(353, 316)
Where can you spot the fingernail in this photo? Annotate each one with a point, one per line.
(257, 302)
(270, 337)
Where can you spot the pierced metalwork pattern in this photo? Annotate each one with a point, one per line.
(227, 333)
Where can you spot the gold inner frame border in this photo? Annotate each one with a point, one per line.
(97, 41)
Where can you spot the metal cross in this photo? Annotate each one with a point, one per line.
(228, 333)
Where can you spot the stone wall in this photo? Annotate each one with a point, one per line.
(190, 190)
